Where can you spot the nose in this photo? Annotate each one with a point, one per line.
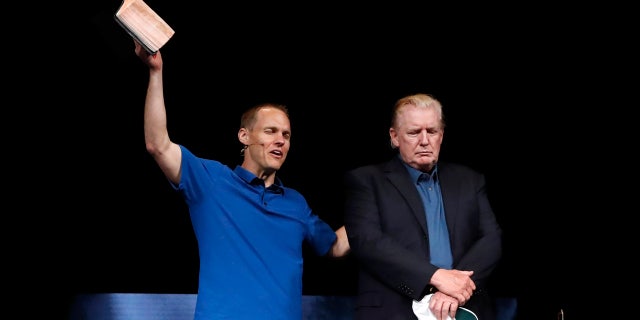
(424, 137)
(280, 140)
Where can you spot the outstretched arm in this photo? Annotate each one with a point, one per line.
(166, 153)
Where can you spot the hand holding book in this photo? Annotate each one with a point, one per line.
(144, 25)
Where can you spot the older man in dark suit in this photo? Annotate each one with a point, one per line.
(419, 227)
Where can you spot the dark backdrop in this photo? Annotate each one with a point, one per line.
(106, 220)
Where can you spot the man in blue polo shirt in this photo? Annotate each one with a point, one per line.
(250, 228)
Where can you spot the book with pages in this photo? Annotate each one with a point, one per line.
(143, 24)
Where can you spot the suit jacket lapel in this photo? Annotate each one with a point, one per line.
(400, 178)
(448, 189)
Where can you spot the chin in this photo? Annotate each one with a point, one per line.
(275, 166)
(426, 161)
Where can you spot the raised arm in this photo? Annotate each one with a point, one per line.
(166, 153)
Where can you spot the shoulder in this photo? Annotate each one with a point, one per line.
(457, 167)
(191, 160)
(374, 174)
(447, 169)
(377, 168)
(293, 194)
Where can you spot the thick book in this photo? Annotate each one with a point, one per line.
(144, 25)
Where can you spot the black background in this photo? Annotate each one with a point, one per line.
(519, 88)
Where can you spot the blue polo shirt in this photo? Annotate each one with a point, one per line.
(249, 241)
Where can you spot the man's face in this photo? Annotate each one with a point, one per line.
(268, 141)
(418, 136)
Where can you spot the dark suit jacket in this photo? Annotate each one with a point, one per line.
(386, 226)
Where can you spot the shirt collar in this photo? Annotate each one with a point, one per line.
(416, 174)
(253, 180)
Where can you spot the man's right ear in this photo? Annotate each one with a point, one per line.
(243, 136)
